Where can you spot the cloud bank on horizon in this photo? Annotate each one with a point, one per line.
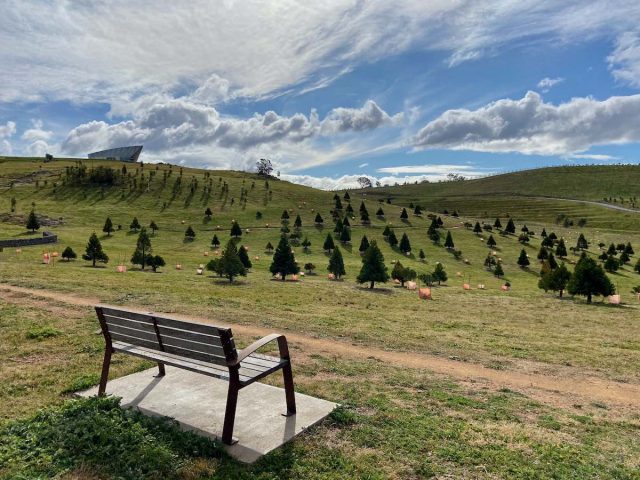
(398, 91)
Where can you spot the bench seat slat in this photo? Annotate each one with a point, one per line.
(209, 369)
(164, 320)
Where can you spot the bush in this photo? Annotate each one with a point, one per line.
(40, 333)
(98, 434)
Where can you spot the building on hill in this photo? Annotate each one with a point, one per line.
(124, 154)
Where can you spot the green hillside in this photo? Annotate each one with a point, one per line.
(535, 195)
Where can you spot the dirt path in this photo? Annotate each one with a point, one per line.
(560, 391)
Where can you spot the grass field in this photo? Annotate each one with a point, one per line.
(399, 423)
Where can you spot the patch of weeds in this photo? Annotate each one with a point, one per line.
(548, 421)
(343, 415)
(40, 333)
(82, 383)
(98, 434)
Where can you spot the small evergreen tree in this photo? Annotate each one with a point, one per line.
(328, 245)
(244, 257)
(346, 223)
(559, 279)
(498, 271)
(393, 240)
(347, 197)
(143, 249)
(612, 250)
(402, 273)
(268, 248)
(417, 210)
(309, 267)
(434, 235)
(511, 227)
(611, 264)
(477, 229)
(439, 274)
(215, 241)
(543, 254)
(628, 249)
(497, 224)
(318, 221)
(306, 244)
(339, 226)
(68, 254)
(349, 210)
(153, 227)
(561, 249)
(523, 259)
(297, 224)
(285, 216)
(386, 232)
(364, 244)
(544, 233)
(338, 205)
(373, 268)
(189, 234)
(155, 262)
(108, 227)
(208, 213)
(405, 245)
(32, 222)
(135, 225)
(380, 213)
(336, 264)
(404, 215)
(345, 236)
(283, 260)
(448, 242)
(552, 261)
(421, 255)
(230, 264)
(624, 258)
(363, 207)
(491, 242)
(582, 243)
(637, 267)
(589, 279)
(93, 252)
(236, 231)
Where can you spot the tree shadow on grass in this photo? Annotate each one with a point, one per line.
(377, 290)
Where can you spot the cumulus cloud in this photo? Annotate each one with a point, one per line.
(351, 181)
(624, 61)
(7, 130)
(547, 83)
(432, 169)
(531, 126)
(180, 123)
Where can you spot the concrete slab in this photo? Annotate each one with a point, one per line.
(198, 402)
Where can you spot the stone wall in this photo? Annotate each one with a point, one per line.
(46, 238)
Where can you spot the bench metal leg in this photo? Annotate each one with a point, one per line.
(161, 372)
(288, 389)
(105, 371)
(230, 413)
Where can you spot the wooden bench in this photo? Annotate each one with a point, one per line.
(197, 347)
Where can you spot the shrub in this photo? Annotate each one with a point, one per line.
(40, 333)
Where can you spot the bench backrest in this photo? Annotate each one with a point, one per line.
(195, 341)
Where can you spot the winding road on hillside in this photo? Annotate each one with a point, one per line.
(568, 389)
(593, 202)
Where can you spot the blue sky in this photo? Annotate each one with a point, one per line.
(395, 91)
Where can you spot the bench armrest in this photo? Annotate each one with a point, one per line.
(245, 352)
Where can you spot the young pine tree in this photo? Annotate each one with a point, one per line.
(523, 259)
(448, 243)
(283, 260)
(364, 244)
(230, 264)
(108, 227)
(318, 220)
(153, 227)
(215, 241)
(155, 262)
(497, 224)
(345, 236)
(336, 264)
(498, 271)
(561, 249)
(511, 227)
(236, 231)
(135, 224)
(68, 254)
(189, 234)
(93, 252)
(402, 274)
(477, 229)
(404, 215)
(589, 279)
(373, 268)
(244, 257)
(491, 242)
(32, 222)
(143, 249)
(393, 240)
(422, 256)
(439, 274)
(328, 245)
(269, 247)
(405, 244)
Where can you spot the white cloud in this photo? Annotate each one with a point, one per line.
(531, 126)
(71, 50)
(184, 127)
(594, 156)
(362, 165)
(624, 61)
(434, 169)
(547, 83)
(351, 181)
(7, 130)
